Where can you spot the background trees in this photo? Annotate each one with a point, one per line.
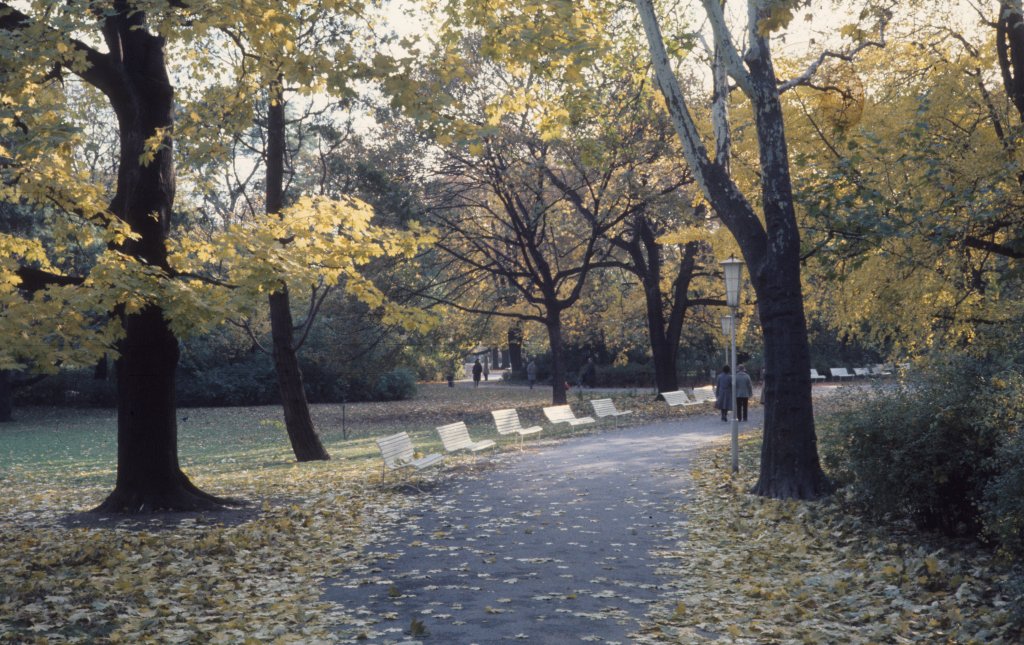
(918, 199)
(531, 136)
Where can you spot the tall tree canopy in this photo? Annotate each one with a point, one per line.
(144, 287)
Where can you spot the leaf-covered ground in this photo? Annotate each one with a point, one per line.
(242, 576)
(746, 570)
(754, 570)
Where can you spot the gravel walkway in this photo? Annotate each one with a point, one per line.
(553, 545)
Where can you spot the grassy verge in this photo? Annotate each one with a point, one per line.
(755, 570)
(251, 576)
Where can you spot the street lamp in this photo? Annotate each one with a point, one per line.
(732, 268)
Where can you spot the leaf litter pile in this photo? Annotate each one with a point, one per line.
(746, 570)
(756, 570)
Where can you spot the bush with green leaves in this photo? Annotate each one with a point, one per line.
(941, 447)
(395, 385)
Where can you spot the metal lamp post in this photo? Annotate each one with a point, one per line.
(733, 268)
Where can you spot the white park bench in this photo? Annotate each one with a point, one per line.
(815, 376)
(881, 370)
(678, 397)
(398, 454)
(703, 394)
(564, 414)
(840, 373)
(861, 371)
(507, 422)
(455, 437)
(606, 408)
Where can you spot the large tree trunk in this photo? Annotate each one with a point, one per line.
(663, 352)
(789, 465)
(789, 452)
(558, 375)
(646, 253)
(6, 397)
(149, 477)
(99, 372)
(789, 455)
(515, 347)
(305, 442)
(136, 82)
(649, 266)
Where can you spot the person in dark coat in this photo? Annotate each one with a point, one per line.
(744, 390)
(723, 392)
(478, 369)
(588, 375)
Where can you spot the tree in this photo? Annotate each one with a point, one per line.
(652, 260)
(305, 442)
(145, 286)
(503, 219)
(789, 457)
(280, 59)
(923, 205)
(132, 75)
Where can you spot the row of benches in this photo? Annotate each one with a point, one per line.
(696, 396)
(839, 373)
(398, 452)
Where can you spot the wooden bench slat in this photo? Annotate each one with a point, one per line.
(397, 452)
(507, 422)
(678, 397)
(606, 408)
(455, 436)
(564, 414)
(704, 394)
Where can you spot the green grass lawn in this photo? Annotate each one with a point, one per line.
(78, 447)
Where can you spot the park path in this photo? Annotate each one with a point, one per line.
(553, 545)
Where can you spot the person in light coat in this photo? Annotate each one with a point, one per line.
(744, 390)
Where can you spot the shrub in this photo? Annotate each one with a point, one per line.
(75, 388)
(248, 382)
(935, 448)
(395, 385)
(630, 375)
(1004, 498)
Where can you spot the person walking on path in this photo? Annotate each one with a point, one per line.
(477, 371)
(487, 372)
(744, 390)
(531, 373)
(723, 392)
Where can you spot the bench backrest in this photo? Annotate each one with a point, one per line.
(455, 436)
(704, 393)
(396, 450)
(861, 371)
(814, 374)
(507, 421)
(839, 372)
(678, 397)
(604, 407)
(558, 413)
